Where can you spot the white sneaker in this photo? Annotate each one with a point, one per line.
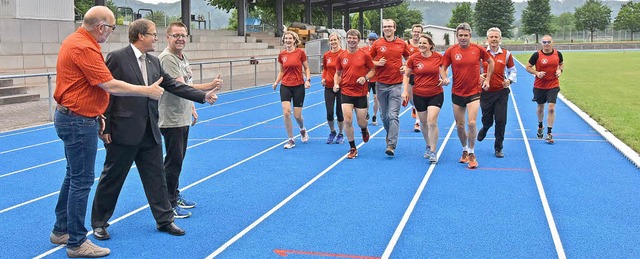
(290, 144)
(88, 250)
(304, 136)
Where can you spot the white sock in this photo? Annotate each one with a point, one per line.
(465, 148)
(471, 151)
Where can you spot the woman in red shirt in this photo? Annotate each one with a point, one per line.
(293, 86)
(428, 95)
(331, 98)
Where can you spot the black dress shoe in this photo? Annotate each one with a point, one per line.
(172, 229)
(499, 154)
(481, 134)
(101, 233)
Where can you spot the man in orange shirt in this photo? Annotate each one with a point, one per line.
(387, 54)
(494, 100)
(465, 58)
(549, 66)
(82, 91)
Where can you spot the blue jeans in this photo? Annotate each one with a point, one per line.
(390, 98)
(80, 137)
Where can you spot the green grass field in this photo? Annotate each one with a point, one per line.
(605, 85)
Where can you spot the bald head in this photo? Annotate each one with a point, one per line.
(96, 15)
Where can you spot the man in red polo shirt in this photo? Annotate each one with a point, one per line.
(465, 59)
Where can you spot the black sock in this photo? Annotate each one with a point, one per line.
(363, 130)
(334, 132)
(539, 124)
(352, 144)
(549, 130)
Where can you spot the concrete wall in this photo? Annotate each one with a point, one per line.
(57, 10)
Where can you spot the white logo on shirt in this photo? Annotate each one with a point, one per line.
(458, 56)
(383, 49)
(284, 59)
(345, 61)
(328, 60)
(420, 65)
(544, 61)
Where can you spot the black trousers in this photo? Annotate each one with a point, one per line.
(175, 144)
(494, 107)
(148, 157)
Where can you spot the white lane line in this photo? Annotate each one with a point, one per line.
(199, 181)
(281, 204)
(543, 197)
(28, 131)
(414, 201)
(30, 146)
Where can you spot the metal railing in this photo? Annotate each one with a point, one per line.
(49, 76)
(252, 61)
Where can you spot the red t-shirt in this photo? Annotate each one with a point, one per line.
(393, 51)
(329, 61)
(292, 66)
(412, 49)
(426, 71)
(367, 49)
(548, 63)
(353, 66)
(465, 66)
(502, 61)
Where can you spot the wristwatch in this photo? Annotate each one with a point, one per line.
(366, 79)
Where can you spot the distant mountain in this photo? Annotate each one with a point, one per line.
(219, 18)
(439, 13)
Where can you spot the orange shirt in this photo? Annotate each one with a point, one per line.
(80, 69)
(548, 63)
(426, 71)
(465, 67)
(292, 67)
(393, 52)
(353, 66)
(367, 49)
(329, 61)
(502, 61)
(412, 49)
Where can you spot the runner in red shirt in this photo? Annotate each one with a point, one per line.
(549, 66)
(428, 95)
(494, 100)
(416, 31)
(292, 60)
(387, 54)
(465, 58)
(372, 81)
(353, 70)
(332, 99)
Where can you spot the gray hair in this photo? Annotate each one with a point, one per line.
(463, 26)
(496, 29)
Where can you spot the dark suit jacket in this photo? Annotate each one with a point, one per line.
(127, 116)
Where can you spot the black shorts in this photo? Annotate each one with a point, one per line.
(372, 87)
(421, 103)
(295, 92)
(412, 80)
(542, 96)
(360, 102)
(462, 101)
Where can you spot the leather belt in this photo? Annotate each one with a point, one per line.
(67, 111)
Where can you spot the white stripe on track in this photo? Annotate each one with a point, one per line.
(30, 146)
(414, 201)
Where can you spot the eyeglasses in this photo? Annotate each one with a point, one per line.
(113, 27)
(155, 35)
(546, 42)
(178, 36)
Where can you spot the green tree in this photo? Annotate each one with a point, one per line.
(563, 23)
(628, 18)
(462, 13)
(536, 18)
(82, 6)
(355, 22)
(494, 13)
(160, 18)
(402, 15)
(592, 16)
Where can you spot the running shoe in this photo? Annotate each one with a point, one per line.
(432, 158)
(390, 151)
(290, 144)
(549, 138)
(304, 136)
(539, 133)
(353, 153)
(374, 122)
(332, 137)
(365, 136)
(180, 213)
(184, 203)
(368, 116)
(481, 134)
(473, 162)
(414, 113)
(499, 154)
(465, 157)
(427, 152)
(339, 139)
(416, 127)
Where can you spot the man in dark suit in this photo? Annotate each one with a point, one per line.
(132, 132)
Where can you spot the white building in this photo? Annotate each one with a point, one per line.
(438, 34)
